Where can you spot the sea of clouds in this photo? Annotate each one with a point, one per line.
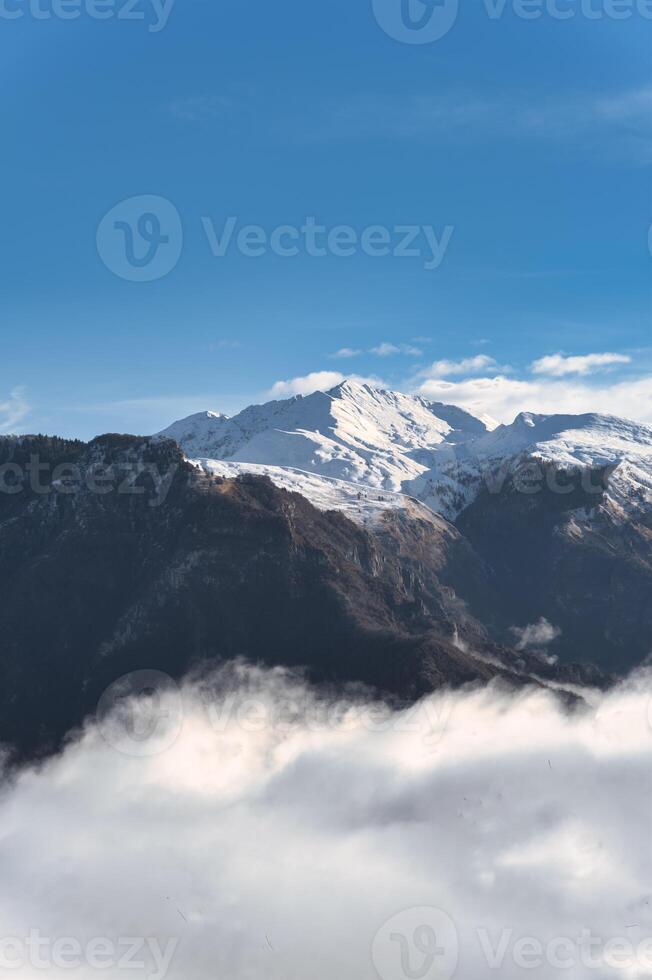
(247, 827)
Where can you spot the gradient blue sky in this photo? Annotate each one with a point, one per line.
(532, 138)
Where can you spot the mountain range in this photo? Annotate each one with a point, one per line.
(362, 536)
(559, 507)
(400, 444)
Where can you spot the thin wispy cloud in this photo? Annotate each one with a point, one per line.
(384, 349)
(346, 352)
(559, 365)
(466, 117)
(634, 105)
(13, 411)
(468, 365)
(387, 350)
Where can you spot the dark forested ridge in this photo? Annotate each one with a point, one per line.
(118, 555)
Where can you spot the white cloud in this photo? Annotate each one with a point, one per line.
(345, 352)
(380, 350)
(271, 843)
(636, 105)
(503, 398)
(559, 365)
(387, 350)
(535, 635)
(620, 123)
(13, 410)
(316, 381)
(468, 365)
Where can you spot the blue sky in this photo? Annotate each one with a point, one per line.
(530, 139)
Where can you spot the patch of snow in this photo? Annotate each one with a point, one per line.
(359, 502)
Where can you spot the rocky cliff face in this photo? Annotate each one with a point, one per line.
(570, 557)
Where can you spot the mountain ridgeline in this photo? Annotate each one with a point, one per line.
(361, 536)
(558, 507)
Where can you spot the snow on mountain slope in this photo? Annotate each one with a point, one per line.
(352, 432)
(400, 444)
(604, 440)
(572, 442)
(568, 439)
(197, 433)
(360, 503)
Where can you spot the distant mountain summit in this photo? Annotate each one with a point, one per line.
(556, 508)
(353, 432)
(387, 441)
(364, 535)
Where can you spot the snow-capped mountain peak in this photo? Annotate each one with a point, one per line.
(352, 432)
(570, 442)
(387, 442)
(196, 432)
(569, 438)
